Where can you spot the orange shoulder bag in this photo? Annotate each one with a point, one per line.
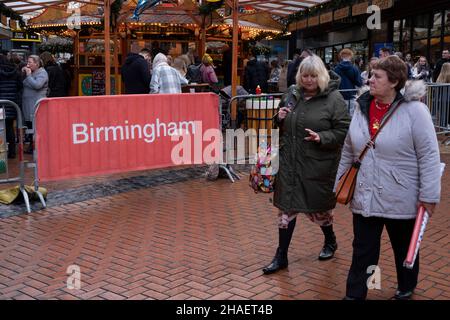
(347, 182)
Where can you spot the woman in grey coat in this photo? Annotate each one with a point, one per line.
(399, 173)
(35, 87)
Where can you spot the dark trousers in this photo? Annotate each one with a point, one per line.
(10, 135)
(366, 251)
(29, 125)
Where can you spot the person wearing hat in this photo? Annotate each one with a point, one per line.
(207, 71)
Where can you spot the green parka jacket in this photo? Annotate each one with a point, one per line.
(307, 170)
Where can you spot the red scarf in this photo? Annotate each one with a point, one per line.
(376, 114)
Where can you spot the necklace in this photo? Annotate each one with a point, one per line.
(383, 108)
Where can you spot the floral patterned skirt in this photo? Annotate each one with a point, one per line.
(323, 219)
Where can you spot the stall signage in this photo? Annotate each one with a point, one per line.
(326, 17)
(98, 83)
(383, 4)
(360, 8)
(3, 19)
(341, 13)
(302, 24)
(19, 36)
(24, 36)
(313, 21)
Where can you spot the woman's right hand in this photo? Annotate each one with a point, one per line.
(283, 113)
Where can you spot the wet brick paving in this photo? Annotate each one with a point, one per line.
(108, 188)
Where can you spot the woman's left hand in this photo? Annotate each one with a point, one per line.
(313, 136)
(428, 206)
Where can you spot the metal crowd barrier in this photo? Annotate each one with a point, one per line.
(22, 163)
(257, 112)
(438, 100)
(255, 115)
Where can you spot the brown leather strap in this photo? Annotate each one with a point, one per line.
(371, 142)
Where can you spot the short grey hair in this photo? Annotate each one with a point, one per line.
(36, 60)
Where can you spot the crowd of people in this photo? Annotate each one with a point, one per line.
(24, 83)
(323, 125)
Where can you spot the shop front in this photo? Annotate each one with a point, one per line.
(421, 28)
(328, 45)
(422, 32)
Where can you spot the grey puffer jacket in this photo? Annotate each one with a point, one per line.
(35, 87)
(404, 166)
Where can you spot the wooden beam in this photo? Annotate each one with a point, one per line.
(29, 4)
(116, 62)
(234, 57)
(196, 19)
(45, 5)
(280, 2)
(107, 48)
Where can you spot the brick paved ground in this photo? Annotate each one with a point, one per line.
(190, 240)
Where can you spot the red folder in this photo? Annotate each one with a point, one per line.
(417, 236)
(419, 229)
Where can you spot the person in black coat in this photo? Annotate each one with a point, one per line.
(295, 63)
(57, 80)
(438, 67)
(136, 74)
(10, 88)
(256, 73)
(227, 61)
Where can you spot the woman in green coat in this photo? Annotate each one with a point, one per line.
(313, 122)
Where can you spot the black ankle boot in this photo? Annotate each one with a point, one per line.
(279, 262)
(330, 245)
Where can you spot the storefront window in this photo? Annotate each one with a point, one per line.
(419, 49)
(397, 34)
(406, 34)
(328, 54)
(420, 40)
(436, 24)
(447, 25)
(435, 50)
(397, 30)
(421, 26)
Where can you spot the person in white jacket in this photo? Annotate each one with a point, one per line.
(399, 173)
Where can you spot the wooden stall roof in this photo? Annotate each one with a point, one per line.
(276, 8)
(90, 13)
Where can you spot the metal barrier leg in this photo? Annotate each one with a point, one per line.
(26, 199)
(226, 169)
(41, 198)
(234, 174)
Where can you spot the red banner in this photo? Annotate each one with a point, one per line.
(86, 136)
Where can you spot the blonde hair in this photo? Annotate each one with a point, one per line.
(207, 60)
(444, 75)
(313, 65)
